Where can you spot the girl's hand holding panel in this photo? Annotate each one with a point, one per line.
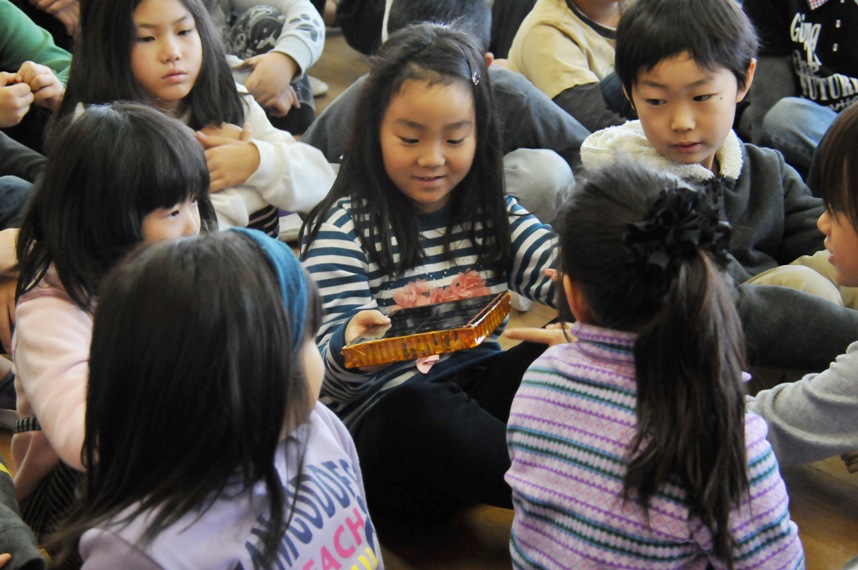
(362, 322)
(44, 84)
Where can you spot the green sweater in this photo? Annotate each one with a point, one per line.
(22, 40)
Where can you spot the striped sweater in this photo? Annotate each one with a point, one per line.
(350, 282)
(570, 426)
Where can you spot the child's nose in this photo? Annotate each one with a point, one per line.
(432, 155)
(171, 51)
(823, 222)
(682, 119)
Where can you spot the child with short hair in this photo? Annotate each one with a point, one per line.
(205, 444)
(418, 214)
(119, 175)
(684, 74)
(814, 418)
(631, 447)
(167, 53)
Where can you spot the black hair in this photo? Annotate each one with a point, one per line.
(101, 66)
(838, 165)
(716, 33)
(110, 168)
(470, 16)
(432, 53)
(191, 407)
(689, 353)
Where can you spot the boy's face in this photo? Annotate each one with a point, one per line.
(687, 111)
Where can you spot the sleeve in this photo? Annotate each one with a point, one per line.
(21, 40)
(815, 417)
(52, 339)
(587, 104)
(535, 248)
(303, 34)
(104, 550)
(331, 130)
(291, 175)
(340, 269)
(553, 62)
(764, 536)
(19, 160)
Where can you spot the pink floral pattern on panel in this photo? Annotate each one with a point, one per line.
(418, 293)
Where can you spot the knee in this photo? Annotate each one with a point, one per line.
(805, 279)
(540, 179)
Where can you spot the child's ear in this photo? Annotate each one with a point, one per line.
(575, 298)
(749, 78)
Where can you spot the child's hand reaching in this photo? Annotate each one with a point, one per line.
(66, 11)
(45, 86)
(15, 99)
(555, 333)
(270, 82)
(231, 159)
(362, 322)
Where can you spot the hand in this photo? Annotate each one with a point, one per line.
(362, 322)
(851, 461)
(270, 82)
(66, 11)
(46, 87)
(555, 333)
(8, 283)
(229, 131)
(231, 162)
(15, 99)
(4, 559)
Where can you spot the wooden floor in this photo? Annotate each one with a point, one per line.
(824, 497)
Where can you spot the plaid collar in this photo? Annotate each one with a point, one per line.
(814, 4)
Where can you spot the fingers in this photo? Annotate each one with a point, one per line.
(550, 335)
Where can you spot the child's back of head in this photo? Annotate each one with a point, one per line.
(192, 388)
(470, 16)
(643, 249)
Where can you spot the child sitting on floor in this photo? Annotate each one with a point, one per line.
(631, 447)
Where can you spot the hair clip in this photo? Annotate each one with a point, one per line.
(475, 78)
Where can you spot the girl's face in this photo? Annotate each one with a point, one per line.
(841, 241)
(167, 53)
(183, 219)
(428, 140)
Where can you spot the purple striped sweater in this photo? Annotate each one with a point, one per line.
(570, 426)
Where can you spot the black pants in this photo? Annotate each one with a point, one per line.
(430, 449)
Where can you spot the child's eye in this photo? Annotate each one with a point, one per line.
(145, 39)
(702, 98)
(655, 102)
(408, 141)
(186, 32)
(456, 141)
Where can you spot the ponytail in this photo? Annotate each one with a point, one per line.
(690, 407)
(662, 278)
